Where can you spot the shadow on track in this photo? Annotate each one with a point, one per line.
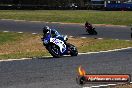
(87, 34)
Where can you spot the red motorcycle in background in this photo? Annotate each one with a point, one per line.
(90, 29)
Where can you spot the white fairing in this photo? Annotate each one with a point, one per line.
(65, 37)
(59, 43)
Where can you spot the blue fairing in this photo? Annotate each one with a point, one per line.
(47, 37)
(56, 32)
(66, 51)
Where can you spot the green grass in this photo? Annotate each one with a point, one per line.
(24, 54)
(14, 45)
(106, 44)
(70, 16)
(9, 37)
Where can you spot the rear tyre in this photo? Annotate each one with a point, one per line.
(73, 49)
(95, 33)
(54, 50)
(92, 32)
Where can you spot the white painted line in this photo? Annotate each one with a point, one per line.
(103, 85)
(86, 87)
(127, 40)
(116, 39)
(5, 31)
(47, 56)
(47, 22)
(121, 83)
(105, 51)
(111, 84)
(83, 37)
(20, 32)
(56, 22)
(78, 53)
(99, 38)
(35, 21)
(68, 55)
(71, 36)
(88, 53)
(7, 19)
(22, 59)
(15, 59)
(34, 33)
(94, 86)
(19, 20)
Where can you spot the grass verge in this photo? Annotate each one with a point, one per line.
(8, 37)
(72, 16)
(28, 45)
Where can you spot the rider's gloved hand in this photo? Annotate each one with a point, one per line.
(45, 41)
(65, 38)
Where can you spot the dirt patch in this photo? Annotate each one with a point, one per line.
(27, 45)
(81, 42)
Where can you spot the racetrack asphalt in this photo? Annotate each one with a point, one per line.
(114, 32)
(62, 72)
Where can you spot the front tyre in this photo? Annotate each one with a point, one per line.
(54, 50)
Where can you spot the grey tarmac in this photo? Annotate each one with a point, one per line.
(114, 32)
(62, 72)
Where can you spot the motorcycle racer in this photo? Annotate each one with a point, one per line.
(88, 26)
(90, 29)
(56, 44)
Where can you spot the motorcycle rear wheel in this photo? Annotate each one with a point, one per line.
(73, 49)
(95, 32)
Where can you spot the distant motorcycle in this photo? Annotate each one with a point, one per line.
(91, 31)
(58, 46)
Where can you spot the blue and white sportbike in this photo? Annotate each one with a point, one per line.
(57, 46)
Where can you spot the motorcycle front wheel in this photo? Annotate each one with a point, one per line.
(54, 50)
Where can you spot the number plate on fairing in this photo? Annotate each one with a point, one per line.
(59, 43)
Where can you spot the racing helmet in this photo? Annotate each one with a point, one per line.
(46, 29)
